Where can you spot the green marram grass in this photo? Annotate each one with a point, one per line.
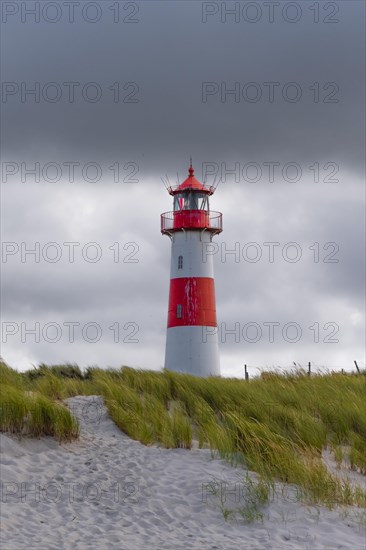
(26, 411)
(276, 425)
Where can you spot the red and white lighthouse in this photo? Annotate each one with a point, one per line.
(192, 339)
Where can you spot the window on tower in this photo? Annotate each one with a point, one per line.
(180, 262)
(178, 202)
(196, 201)
(191, 201)
(179, 311)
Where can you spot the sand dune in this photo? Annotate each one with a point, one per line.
(107, 491)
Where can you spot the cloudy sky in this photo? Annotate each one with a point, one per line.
(101, 99)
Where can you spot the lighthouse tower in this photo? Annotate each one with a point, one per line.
(192, 340)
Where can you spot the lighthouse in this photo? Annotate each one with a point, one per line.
(192, 335)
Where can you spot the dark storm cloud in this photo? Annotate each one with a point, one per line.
(169, 54)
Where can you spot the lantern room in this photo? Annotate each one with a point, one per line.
(191, 209)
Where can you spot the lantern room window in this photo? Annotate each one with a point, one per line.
(180, 262)
(179, 311)
(191, 200)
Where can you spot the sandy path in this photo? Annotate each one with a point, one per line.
(107, 491)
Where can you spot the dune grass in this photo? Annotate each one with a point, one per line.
(27, 412)
(276, 425)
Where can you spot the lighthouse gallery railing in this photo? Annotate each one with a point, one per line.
(190, 219)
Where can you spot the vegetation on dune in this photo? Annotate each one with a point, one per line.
(26, 411)
(277, 425)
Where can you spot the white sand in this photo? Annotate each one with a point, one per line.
(107, 491)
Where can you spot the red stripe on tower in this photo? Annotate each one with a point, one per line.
(192, 302)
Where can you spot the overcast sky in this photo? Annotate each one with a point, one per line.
(269, 100)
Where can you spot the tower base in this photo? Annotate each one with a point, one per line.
(193, 350)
